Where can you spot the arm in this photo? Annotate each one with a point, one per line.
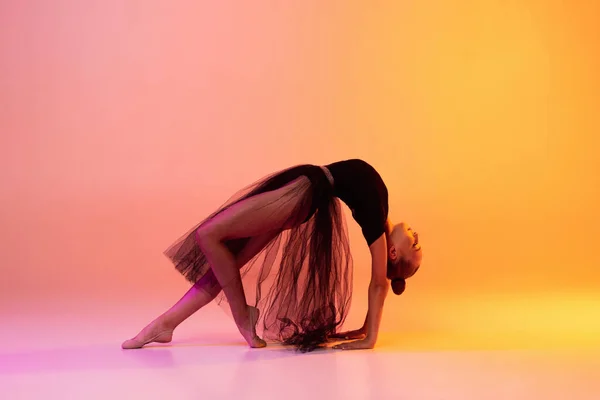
(378, 288)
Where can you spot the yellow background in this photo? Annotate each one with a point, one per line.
(124, 123)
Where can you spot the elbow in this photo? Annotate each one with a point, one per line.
(379, 286)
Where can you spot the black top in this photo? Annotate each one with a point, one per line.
(360, 186)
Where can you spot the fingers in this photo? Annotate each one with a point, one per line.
(355, 345)
(344, 346)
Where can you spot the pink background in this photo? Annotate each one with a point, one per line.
(124, 123)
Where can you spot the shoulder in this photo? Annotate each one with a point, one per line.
(360, 163)
(353, 165)
(379, 246)
(379, 259)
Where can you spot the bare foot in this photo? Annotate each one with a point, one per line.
(154, 332)
(249, 332)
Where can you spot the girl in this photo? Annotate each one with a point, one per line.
(295, 213)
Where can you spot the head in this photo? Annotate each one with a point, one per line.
(404, 255)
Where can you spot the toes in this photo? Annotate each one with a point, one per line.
(130, 344)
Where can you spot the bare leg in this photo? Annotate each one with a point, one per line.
(203, 292)
(255, 216)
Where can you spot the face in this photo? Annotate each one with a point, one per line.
(404, 245)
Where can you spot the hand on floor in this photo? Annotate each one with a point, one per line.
(355, 345)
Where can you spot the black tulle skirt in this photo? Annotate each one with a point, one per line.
(301, 280)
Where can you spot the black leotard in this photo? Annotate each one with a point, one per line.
(360, 186)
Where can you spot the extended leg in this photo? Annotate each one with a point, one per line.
(203, 292)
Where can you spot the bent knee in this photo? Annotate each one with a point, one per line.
(207, 234)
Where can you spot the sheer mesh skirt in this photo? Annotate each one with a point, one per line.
(301, 279)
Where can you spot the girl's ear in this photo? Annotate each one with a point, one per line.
(393, 253)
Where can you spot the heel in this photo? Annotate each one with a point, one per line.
(253, 316)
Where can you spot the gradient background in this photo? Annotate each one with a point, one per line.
(123, 123)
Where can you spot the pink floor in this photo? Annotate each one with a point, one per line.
(72, 352)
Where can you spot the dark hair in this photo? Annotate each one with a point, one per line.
(395, 272)
(398, 286)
